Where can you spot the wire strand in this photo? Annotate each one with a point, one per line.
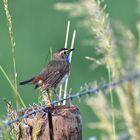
(77, 95)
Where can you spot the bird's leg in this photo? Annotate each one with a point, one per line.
(49, 97)
(46, 97)
(58, 98)
(54, 90)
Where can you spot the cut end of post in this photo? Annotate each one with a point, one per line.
(61, 122)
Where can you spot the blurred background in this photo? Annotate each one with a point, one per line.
(41, 25)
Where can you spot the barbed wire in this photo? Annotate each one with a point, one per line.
(77, 95)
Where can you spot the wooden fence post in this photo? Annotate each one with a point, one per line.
(58, 123)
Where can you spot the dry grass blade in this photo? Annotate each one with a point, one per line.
(65, 46)
(66, 83)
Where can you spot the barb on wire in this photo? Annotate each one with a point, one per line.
(78, 94)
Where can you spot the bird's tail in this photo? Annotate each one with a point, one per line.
(26, 82)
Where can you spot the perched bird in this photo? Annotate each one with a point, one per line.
(55, 73)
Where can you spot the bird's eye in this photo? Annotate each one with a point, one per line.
(65, 52)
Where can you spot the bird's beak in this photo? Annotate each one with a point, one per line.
(70, 50)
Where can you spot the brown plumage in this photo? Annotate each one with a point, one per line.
(54, 73)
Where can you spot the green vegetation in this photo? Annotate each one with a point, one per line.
(107, 47)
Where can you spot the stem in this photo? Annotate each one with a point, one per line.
(10, 31)
(14, 67)
(66, 83)
(112, 105)
(65, 46)
(15, 93)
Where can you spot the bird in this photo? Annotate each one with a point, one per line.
(54, 74)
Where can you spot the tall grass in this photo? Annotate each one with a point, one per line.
(14, 130)
(120, 51)
(65, 46)
(66, 83)
(16, 94)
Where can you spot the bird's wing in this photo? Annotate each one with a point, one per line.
(54, 72)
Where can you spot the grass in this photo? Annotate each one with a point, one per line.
(65, 46)
(112, 106)
(66, 83)
(18, 99)
(119, 58)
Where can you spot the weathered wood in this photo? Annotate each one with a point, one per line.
(59, 123)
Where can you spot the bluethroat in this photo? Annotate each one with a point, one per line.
(54, 74)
